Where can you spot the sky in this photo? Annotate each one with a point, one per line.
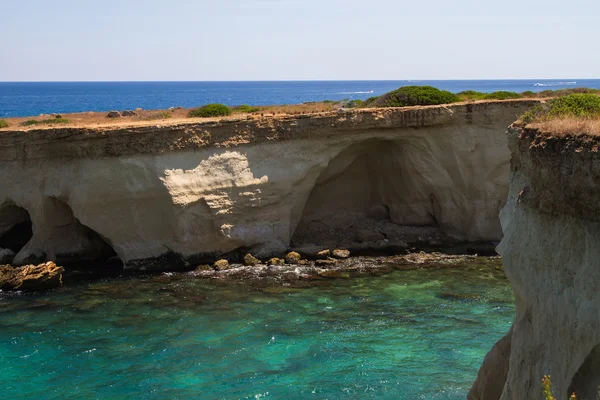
(198, 40)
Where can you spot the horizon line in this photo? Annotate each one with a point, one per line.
(298, 80)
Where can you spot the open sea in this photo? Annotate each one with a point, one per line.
(20, 99)
(406, 335)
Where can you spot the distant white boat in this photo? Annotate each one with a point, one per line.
(555, 84)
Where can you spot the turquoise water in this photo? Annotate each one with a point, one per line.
(406, 335)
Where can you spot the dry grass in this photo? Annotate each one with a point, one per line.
(144, 117)
(568, 127)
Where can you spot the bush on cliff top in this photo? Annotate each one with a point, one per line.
(211, 110)
(578, 106)
(245, 108)
(414, 96)
(3, 124)
(471, 95)
(31, 122)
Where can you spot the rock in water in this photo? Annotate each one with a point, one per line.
(338, 253)
(326, 262)
(31, 278)
(292, 257)
(6, 275)
(324, 254)
(221, 265)
(275, 261)
(250, 260)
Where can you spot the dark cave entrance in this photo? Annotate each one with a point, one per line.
(16, 229)
(366, 198)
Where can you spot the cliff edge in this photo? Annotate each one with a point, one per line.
(551, 253)
(166, 195)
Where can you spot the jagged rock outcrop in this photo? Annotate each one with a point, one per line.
(177, 192)
(551, 255)
(31, 278)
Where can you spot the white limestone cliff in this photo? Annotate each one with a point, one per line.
(196, 188)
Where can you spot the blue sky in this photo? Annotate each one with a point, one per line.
(76, 40)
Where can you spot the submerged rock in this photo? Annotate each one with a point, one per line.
(250, 260)
(326, 262)
(31, 278)
(329, 273)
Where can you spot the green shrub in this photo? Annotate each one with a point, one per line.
(528, 94)
(502, 95)
(211, 110)
(580, 106)
(245, 108)
(46, 121)
(471, 95)
(354, 103)
(3, 124)
(415, 96)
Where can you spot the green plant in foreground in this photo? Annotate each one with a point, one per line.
(3, 124)
(547, 389)
(46, 121)
(579, 106)
(211, 110)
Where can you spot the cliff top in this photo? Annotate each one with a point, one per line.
(86, 139)
(573, 115)
(100, 122)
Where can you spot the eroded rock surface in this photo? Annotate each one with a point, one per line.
(551, 255)
(165, 196)
(30, 278)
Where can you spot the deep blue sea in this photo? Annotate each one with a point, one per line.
(19, 99)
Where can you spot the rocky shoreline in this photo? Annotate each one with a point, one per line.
(293, 270)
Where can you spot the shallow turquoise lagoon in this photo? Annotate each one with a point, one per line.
(406, 335)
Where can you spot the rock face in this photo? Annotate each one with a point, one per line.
(183, 190)
(551, 254)
(31, 278)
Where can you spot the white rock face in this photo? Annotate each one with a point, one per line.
(551, 255)
(439, 165)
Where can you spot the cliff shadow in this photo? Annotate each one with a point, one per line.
(59, 236)
(15, 227)
(369, 196)
(586, 381)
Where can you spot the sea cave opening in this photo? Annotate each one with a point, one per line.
(367, 198)
(16, 228)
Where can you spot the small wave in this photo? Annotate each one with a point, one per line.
(555, 84)
(369, 91)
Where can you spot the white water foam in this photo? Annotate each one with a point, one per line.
(555, 84)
